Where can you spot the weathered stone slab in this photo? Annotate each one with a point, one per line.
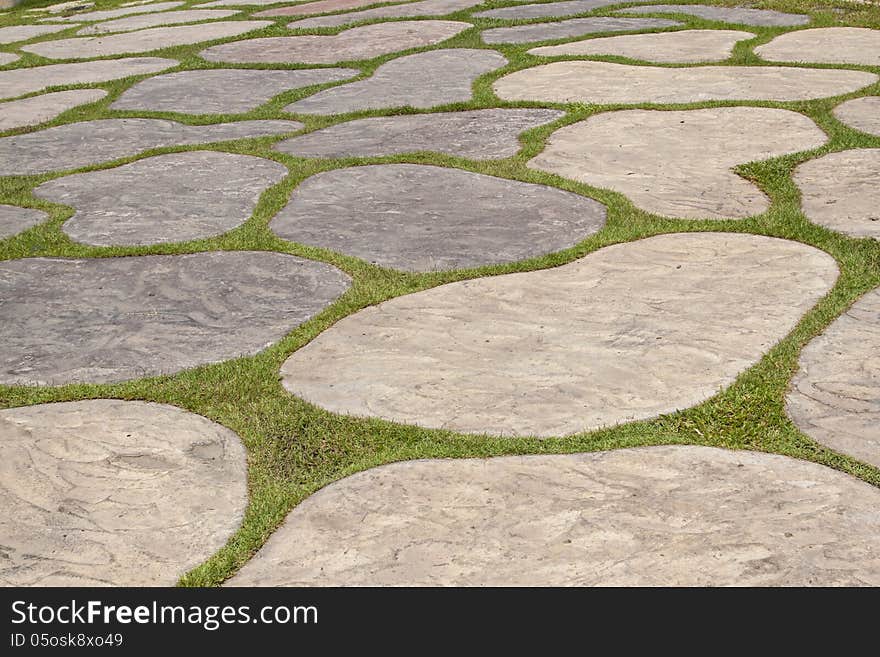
(356, 43)
(423, 80)
(114, 493)
(543, 10)
(8, 58)
(574, 27)
(405, 10)
(131, 23)
(221, 91)
(108, 14)
(316, 7)
(629, 332)
(15, 33)
(236, 3)
(427, 218)
(77, 145)
(657, 516)
(75, 5)
(101, 320)
(14, 220)
(39, 109)
(826, 45)
(861, 113)
(741, 15)
(841, 191)
(679, 164)
(477, 134)
(607, 83)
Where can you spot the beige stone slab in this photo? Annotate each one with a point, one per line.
(629, 332)
(679, 164)
(655, 516)
(827, 45)
(114, 493)
(39, 109)
(8, 58)
(15, 33)
(607, 83)
(131, 23)
(861, 113)
(108, 14)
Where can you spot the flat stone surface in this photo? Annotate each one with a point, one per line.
(665, 47)
(427, 218)
(114, 493)
(236, 3)
(835, 396)
(64, 6)
(741, 15)
(39, 109)
(142, 40)
(8, 58)
(607, 83)
(204, 193)
(318, 7)
(841, 191)
(406, 10)
(826, 45)
(679, 164)
(423, 80)
(77, 145)
(356, 43)
(544, 9)
(131, 23)
(861, 113)
(221, 91)
(15, 33)
(14, 220)
(108, 14)
(629, 332)
(574, 27)
(476, 134)
(28, 80)
(101, 320)
(656, 516)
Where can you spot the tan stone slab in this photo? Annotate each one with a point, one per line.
(15, 33)
(108, 14)
(827, 45)
(408, 9)
(607, 83)
(656, 516)
(39, 109)
(114, 493)
(629, 332)
(861, 113)
(318, 7)
(679, 164)
(131, 23)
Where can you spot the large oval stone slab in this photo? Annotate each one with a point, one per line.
(112, 319)
(861, 113)
(679, 164)
(573, 27)
(131, 23)
(15, 33)
(607, 83)
(39, 109)
(405, 10)
(114, 493)
(828, 45)
(427, 218)
(742, 15)
(660, 516)
(629, 332)
(203, 193)
(14, 220)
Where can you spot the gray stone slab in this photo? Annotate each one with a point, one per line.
(423, 80)
(741, 15)
(841, 191)
(39, 109)
(77, 145)
(356, 43)
(14, 220)
(835, 396)
(112, 319)
(825, 45)
(114, 493)
(75, 5)
(574, 27)
(203, 194)
(544, 9)
(861, 113)
(8, 58)
(629, 332)
(316, 7)
(221, 91)
(109, 14)
(427, 218)
(477, 134)
(131, 23)
(15, 33)
(237, 3)
(679, 164)
(406, 10)
(651, 516)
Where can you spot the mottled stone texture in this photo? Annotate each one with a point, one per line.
(574, 27)
(108, 14)
(405, 10)
(14, 220)
(861, 113)
(39, 109)
(8, 58)
(131, 23)
(827, 45)
(543, 10)
(741, 15)
(15, 33)
(317, 7)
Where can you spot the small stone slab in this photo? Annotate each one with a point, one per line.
(629, 332)
(405, 10)
(651, 516)
(102, 320)
(427, 218)
(204, 193)
(39, 109)
(679, 164)
(83, 144)
(423, 80)
(825, 45)
(114, 493)
(861, 113)
(109, 14)
(15, 33)
(544, 10)
(221, 91)
(574, 27)
(477, 134)
(606, 83)
(356, 43)
(841, 191)
(316, 7)
(741, 15)
(835, 396)
(8, 58)
(74, 5)
(142, 40)
(665, 47)
(132, 23)
(14, 220)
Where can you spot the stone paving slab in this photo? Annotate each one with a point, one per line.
(316, 7)
(826, 45)
(841, 191)
(39, 109)
(221, 91)
(629, 332)
(427, 218)
(108, 14)
(15, 33)
(543, 10)
(63, 6)
(406, 10)
(101, 320)
(356, 43)
(607, 83)
(656, 516)
(114, 493)
(14, 220)
(77, 145)
(131, 23)
(204, 193)
(741, 15)
(665, 47)
(679, 164)
(574, 27)
(861, 113)
(476, 134)
(8, 58)
(237, 3)
(423, 80)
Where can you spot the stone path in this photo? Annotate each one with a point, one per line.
(14, 220)
(15, 33)
(405, 10)
(132, 23)
(543, 10)
(108, 14)
(741, 15)
(828, 45)
(8, 58)
(574, 27)
(861, 113)
(317, 7)
(39, 109)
